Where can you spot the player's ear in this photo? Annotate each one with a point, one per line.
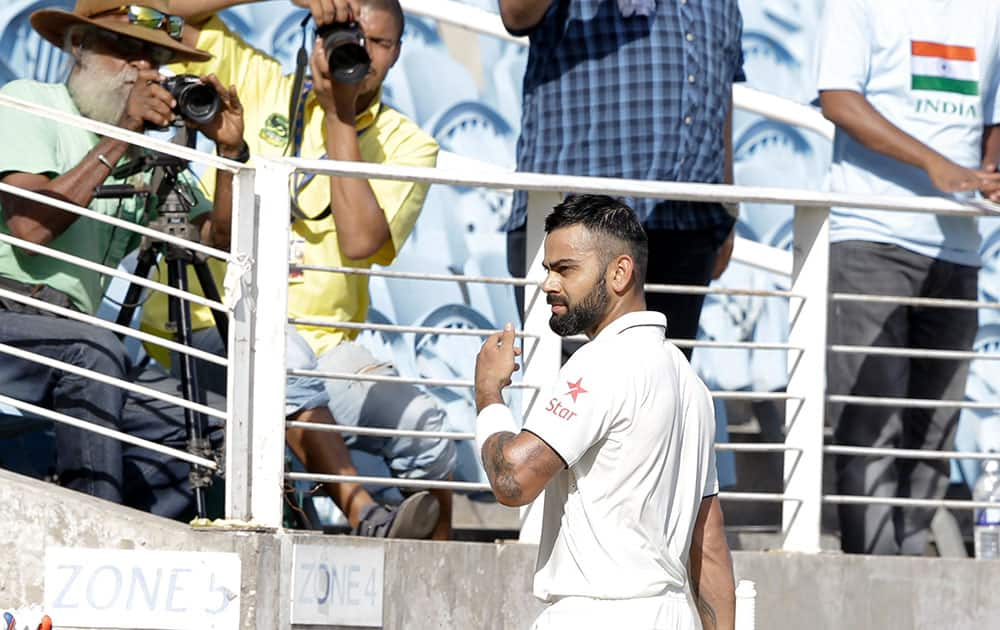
(622, 273)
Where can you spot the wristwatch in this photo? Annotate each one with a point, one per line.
(244, 155)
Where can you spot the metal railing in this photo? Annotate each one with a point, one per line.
(805, 397)
(258, 314)
(246, 224)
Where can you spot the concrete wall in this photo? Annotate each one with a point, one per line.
(38, 515)
(472, 586)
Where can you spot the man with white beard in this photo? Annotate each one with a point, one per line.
(115, 51)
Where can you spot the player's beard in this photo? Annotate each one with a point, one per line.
(583, 316)
(100, 95)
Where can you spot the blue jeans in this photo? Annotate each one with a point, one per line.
(96, 465)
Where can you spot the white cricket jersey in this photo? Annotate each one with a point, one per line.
(636, 428)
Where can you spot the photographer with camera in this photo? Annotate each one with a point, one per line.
(338, 221)
(115, 53)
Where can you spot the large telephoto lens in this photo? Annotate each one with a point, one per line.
(344, 44)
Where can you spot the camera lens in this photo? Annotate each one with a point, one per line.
(344, 44)
(196, 101)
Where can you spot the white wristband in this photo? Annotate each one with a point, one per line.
(495, 418)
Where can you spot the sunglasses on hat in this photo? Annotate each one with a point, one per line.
(151, 18)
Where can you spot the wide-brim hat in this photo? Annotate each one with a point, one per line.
(53, 23)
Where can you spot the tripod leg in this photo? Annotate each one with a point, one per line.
(145, 261)
(194, 422)
(211, 291)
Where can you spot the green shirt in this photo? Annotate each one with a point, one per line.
(31, 144)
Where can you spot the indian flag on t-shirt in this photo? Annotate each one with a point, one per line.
(944, 68)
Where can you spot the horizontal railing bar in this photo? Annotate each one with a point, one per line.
(738, 345)
(756, 447)
(764, 497)
(846, 499)
(684, 289)
(352, 430)
(914, 301)
(438, 277)
(725, 395)
(109, 380)
(455, 435)
(131, 137)
(110, 433)
(69, 313)
(413, 275)
(923, 353)
(390, 482)
(109, 271)
(703, 343)
(469, 332)
(910, 403)
(907, 453)
(379, 378)
(484, 487)
(116, 222)
(635, 188)
(426, 330)
(760, 256)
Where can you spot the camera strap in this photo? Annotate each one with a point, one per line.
(297, 99)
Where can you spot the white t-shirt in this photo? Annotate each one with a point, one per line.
(931, 68)
(636, 428)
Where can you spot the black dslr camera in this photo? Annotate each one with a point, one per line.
(196, 101)
(344, 43)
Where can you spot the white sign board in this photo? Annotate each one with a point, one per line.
(338, 585)
(159, 590)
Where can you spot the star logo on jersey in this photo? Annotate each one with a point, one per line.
(575, 389)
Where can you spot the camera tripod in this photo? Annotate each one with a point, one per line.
(172, 207)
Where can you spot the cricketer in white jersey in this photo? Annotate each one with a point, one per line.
(632, 532)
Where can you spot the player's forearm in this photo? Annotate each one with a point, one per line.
(715, 595)
(711, 566)
(362, 228)
(852, 112)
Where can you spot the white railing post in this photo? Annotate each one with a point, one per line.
(804, 413)
(543, 355)
(267, 369)
(239, 294)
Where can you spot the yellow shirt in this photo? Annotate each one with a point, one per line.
(384, 136)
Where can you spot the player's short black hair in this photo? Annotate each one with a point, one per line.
(614, 222)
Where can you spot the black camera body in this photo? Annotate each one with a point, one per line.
(196, 101)
(344, 43)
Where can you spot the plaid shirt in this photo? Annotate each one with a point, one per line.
(638, 98)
